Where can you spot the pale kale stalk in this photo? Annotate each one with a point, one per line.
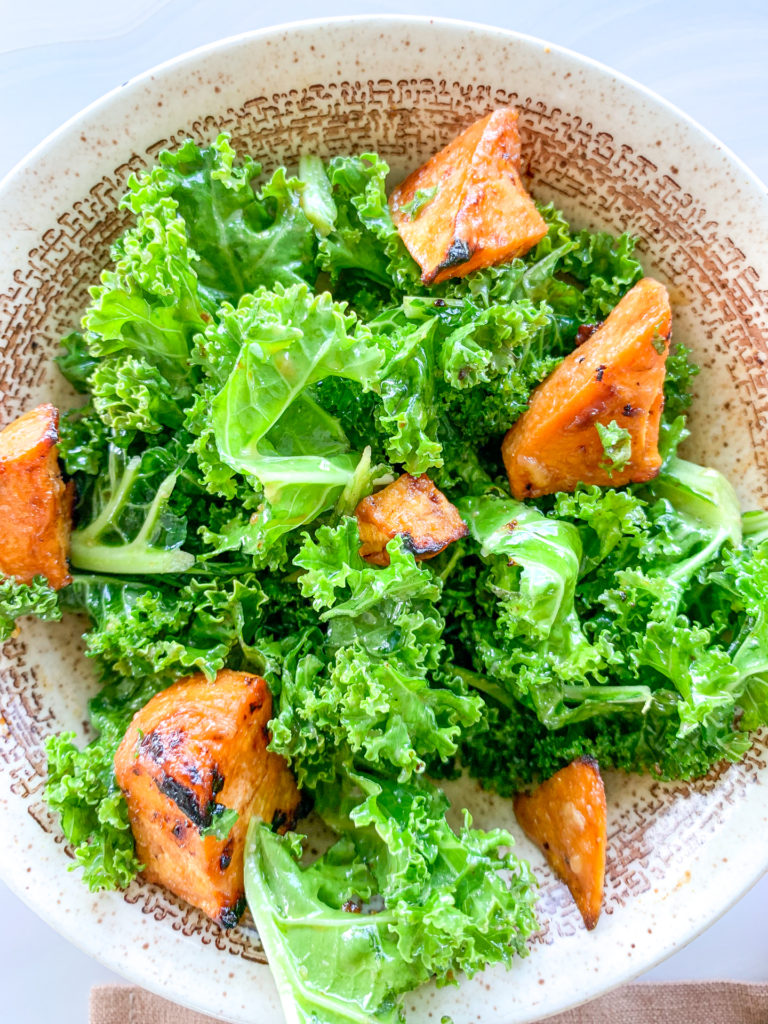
(131, 529)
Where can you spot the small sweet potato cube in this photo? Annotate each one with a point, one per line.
(566, 818)
(467, 207)
(35, 504)
(197, 744)
(414, 508)
(616, 375)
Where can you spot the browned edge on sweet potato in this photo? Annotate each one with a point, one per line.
(198, 743)
(467, 207)
(566, 816)
(35, 503)
(616, 375)
(413, 508)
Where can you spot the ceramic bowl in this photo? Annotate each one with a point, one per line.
(613, 156)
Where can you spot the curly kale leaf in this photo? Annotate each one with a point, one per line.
(363, 240)
(665, 598)
(83, 441)
(617, 446)
(37, 598)
(607, 268)
(93, 812)
(451, 901)
(149, 305)
(457, 375)
(363, 694)
(265, 422)
(159, 631)
(242, 238)
(76, 362)
(131, 395)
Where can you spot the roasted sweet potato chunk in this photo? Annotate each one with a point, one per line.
(615, 376)
(35, 504)
(414, 508)
(566, 818)
(467, 207)
(195, 745)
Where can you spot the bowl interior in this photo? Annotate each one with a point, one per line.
(613, 157)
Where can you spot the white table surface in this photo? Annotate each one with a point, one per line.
(708, 57)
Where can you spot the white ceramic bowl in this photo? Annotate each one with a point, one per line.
(613, 156)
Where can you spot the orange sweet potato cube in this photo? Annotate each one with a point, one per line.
(413, 508)
(615, 376)
(467, 207)
(35, 504)
(566, 818)
(199, 743)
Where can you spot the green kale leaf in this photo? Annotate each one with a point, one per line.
(364, 241)
(242, 239)
(76, 362)
(266, 424)
(422, 197)
(131, 395)
(149, 305)
(92, 810)
(617, 446)
(445, 902)
(37, 598)
(368, 699)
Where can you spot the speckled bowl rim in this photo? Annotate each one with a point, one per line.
(36, 900)
(385, 19)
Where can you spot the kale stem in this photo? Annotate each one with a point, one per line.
(458, 551)
(485, 685)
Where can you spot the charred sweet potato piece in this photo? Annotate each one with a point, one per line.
(414, 508)
(35, 504)
(197, 744)
(616, 375)
(467, 207)
(566, 818)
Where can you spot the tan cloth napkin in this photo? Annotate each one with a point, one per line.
(687, 1002)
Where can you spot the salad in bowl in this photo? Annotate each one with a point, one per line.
(367, 491)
